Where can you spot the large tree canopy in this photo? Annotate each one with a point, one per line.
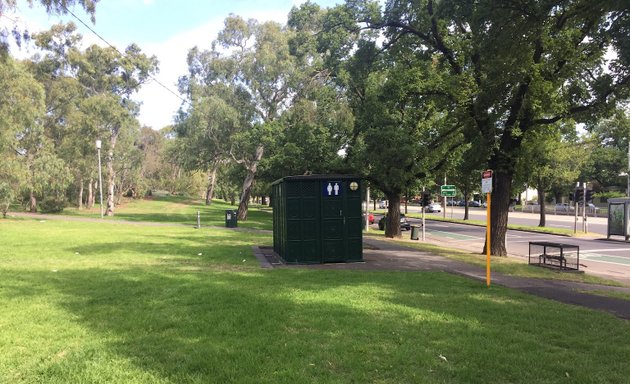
(509, 67)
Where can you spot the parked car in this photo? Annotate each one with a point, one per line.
(473, 203)
(404, 223)
(433, 207)
(563, 207)
(382, 204)
(590, 206)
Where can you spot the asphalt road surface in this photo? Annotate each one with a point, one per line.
(608, 258)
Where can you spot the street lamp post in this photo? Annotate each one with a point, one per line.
(100, 178)
(628, 173)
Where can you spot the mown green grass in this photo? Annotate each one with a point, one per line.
(179, 209)
(129, 303)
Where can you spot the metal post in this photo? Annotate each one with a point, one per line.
(198, 220)
(423, 210)
(576, 207)
(100, 177)
(584, 225)
(367, 208)
(444, 201)
(488, 240)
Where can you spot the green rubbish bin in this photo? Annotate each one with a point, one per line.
(230, 218)
(415, 232)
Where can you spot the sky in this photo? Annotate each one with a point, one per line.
(167, 29)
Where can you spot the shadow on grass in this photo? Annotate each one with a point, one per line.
(296, 326)
(230, 248)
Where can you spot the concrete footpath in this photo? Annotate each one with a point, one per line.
(387, 255)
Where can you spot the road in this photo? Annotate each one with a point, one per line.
(598, 255)
(597, 225)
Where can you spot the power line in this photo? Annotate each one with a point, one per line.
(116, 49)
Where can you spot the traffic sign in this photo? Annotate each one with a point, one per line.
(447, 190)
(486, 181)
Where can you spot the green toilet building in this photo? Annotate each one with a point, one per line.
(318, 219)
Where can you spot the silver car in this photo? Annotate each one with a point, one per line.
(433, 207)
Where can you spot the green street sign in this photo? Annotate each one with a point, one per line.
(447, 190)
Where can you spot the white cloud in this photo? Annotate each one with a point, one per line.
(159, 105)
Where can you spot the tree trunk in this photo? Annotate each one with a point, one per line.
(211, 184)
(90, 197)
(466, 211)
(500, 203)
(32, 202)
(111, 176)
(249, 182)
(541, 202)
(80, 193)
(392, 224)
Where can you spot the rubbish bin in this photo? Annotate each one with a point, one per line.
(415, 232)
(230, 218)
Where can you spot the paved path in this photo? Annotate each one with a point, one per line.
(387, 255)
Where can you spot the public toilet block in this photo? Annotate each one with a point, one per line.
(318, 219)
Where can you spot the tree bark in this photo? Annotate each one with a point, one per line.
(111, 176)
(211, 184)
(90, 197)
(80, 193)
(466, 211)
(541, 202)
(500, 202)
(249, 182)
(392, 225)
(32, 202)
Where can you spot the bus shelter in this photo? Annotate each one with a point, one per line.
(619, 217)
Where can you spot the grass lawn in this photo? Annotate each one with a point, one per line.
(177, 209)
(124, 303)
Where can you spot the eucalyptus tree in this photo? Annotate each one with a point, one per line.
(21, 109)
(110, 79)
(205, 129)
(512, 67)
(53, 67)
(52, 7)
(253, 58)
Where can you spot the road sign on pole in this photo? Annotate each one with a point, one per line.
(486, 181)
(447, 190)
(486, 187)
